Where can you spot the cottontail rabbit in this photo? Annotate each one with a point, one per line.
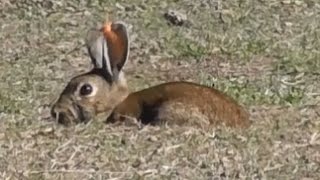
(104, 90)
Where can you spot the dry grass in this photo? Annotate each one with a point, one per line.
(265, 54)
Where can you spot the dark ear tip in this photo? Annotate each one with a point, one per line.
(119, 25)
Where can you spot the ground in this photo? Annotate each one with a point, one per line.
(265, 54)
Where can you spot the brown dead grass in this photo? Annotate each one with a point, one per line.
(265, 54)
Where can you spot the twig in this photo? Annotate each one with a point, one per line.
(278, 166)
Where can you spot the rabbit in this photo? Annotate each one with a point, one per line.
(104, 86)
(104, 90)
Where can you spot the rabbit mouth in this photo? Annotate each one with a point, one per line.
(73, 114)
(82, 114)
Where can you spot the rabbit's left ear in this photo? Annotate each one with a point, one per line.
(108, 47)
(96, 47)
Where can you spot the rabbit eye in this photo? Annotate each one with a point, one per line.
(85, 90)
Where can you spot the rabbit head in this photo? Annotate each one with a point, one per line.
(104, 86)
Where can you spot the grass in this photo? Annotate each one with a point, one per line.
(264, 54)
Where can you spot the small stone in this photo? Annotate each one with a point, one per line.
(288, 24)
(136, 163)
(87, 13)
(298, 3)
(153, 139)
(175, 17)
(286, 1)
(119, 6)
(47, 4)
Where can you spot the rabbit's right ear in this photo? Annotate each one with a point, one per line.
(108, 47)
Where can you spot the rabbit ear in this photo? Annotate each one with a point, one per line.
(98, 50)
(118, 45)
(108, 47)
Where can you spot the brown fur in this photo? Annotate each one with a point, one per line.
(182, 103)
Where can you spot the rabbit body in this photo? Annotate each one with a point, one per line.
(181, 103)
